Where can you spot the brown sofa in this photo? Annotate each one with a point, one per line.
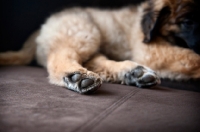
(28, 103)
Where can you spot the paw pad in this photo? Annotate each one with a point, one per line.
(141, 77)
(86, 83)
(75, 77)
(82, 83)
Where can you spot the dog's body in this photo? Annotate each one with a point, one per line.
(83, 47)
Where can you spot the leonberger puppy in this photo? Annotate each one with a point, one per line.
(135, 45)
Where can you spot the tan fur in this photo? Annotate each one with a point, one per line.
(22, 57)
(82, 40)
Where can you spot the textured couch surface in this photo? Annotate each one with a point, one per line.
(28, 103)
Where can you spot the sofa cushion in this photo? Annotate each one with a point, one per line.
(28, 103)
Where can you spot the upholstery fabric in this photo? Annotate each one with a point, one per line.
(28, 103)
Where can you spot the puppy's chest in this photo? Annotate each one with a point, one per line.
(115, 29)
(115, 46)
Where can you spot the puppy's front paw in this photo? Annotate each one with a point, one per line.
(82, 83)
(141, 77)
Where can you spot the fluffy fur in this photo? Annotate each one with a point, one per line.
(81, 47)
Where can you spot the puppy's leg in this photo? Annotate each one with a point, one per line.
(64, 68)
(63, 45)
(169, 61)
(124, 72)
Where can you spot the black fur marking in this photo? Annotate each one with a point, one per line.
(152, 21)
(148, 25)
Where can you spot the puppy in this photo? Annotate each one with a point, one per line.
(82, 47)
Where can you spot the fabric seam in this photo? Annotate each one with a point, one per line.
(89, 126)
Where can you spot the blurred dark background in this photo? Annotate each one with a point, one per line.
(19, 18)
